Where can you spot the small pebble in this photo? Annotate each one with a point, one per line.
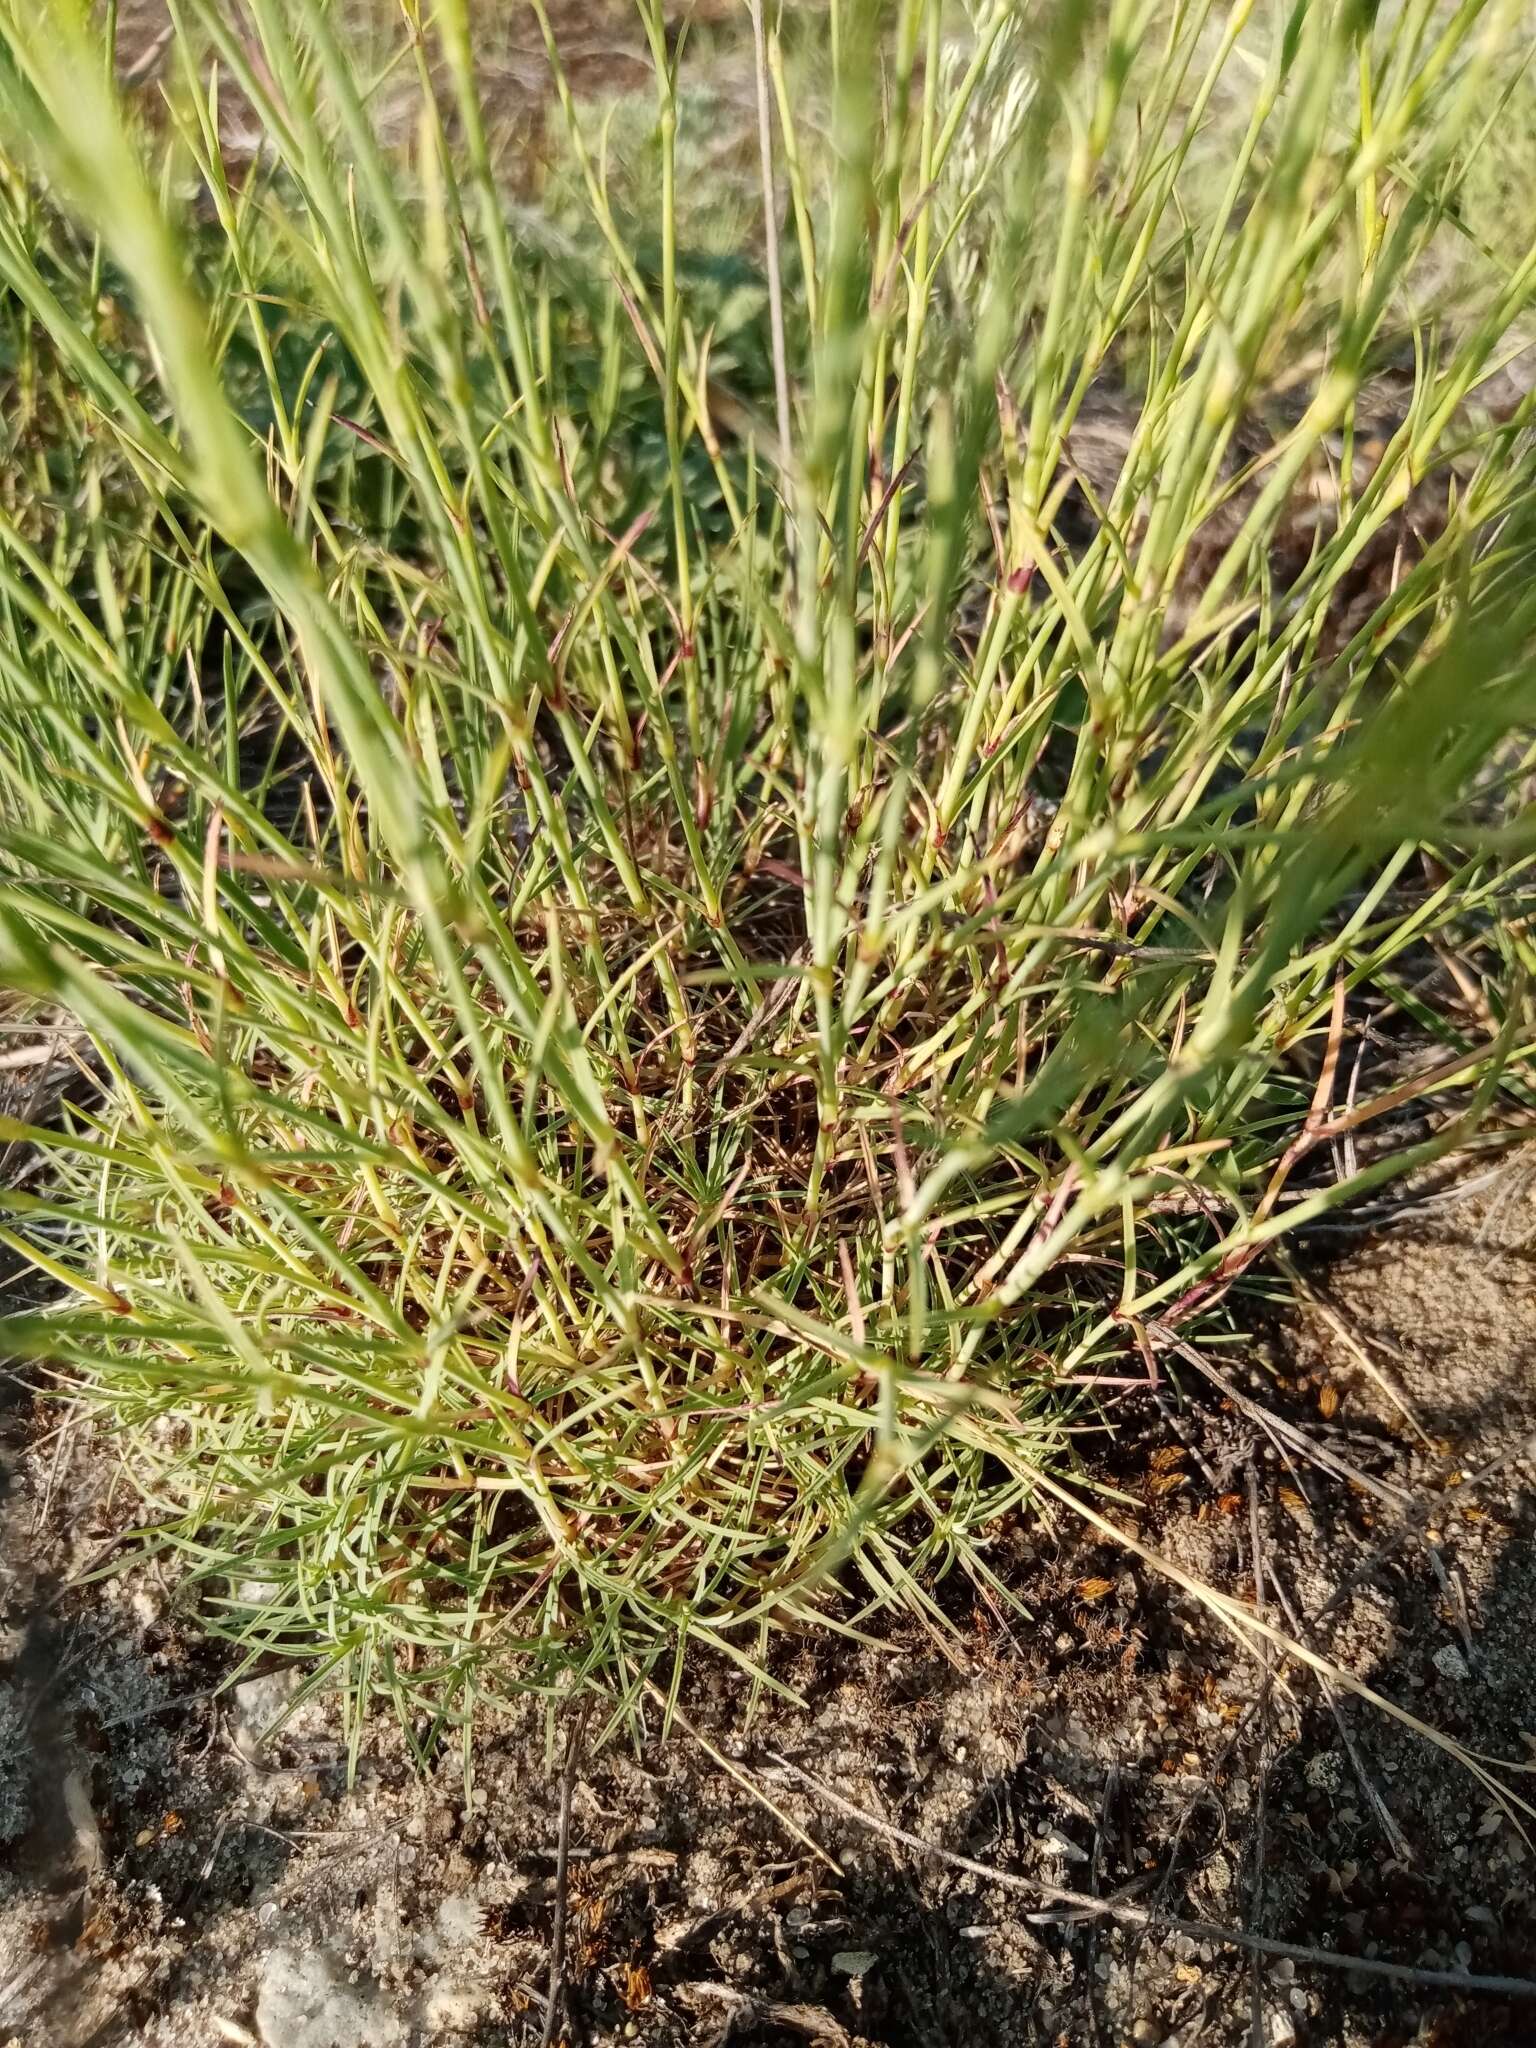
(1325, 1773)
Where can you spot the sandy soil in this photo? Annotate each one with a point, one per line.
(172, 1880)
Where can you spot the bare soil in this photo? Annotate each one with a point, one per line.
(173, 1880)
(603, 55)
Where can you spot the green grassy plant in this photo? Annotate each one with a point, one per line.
(689, 937)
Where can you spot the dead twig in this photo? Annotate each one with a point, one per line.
(1396, 1841)
(1411, 1525)
(556, 1994)
(1095, 1868)
(1328, 1314)
(40, 1054)
(1280, 1432)
(1142, 1916)
(1261, 1788)
(747, 1784)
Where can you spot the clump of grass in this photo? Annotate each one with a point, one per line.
(689, 939)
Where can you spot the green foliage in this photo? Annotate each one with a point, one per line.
(658, 1011)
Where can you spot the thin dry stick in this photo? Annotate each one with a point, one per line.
(1256, 1989)
(1143, 1916)
(39, 1055)
(1280, 1432)
(1396, 1841)
(1411, 1524)
(1101, 1828)
(562, 1872)
(1328, 1314)
(733, 1770)
(1246, 1629)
